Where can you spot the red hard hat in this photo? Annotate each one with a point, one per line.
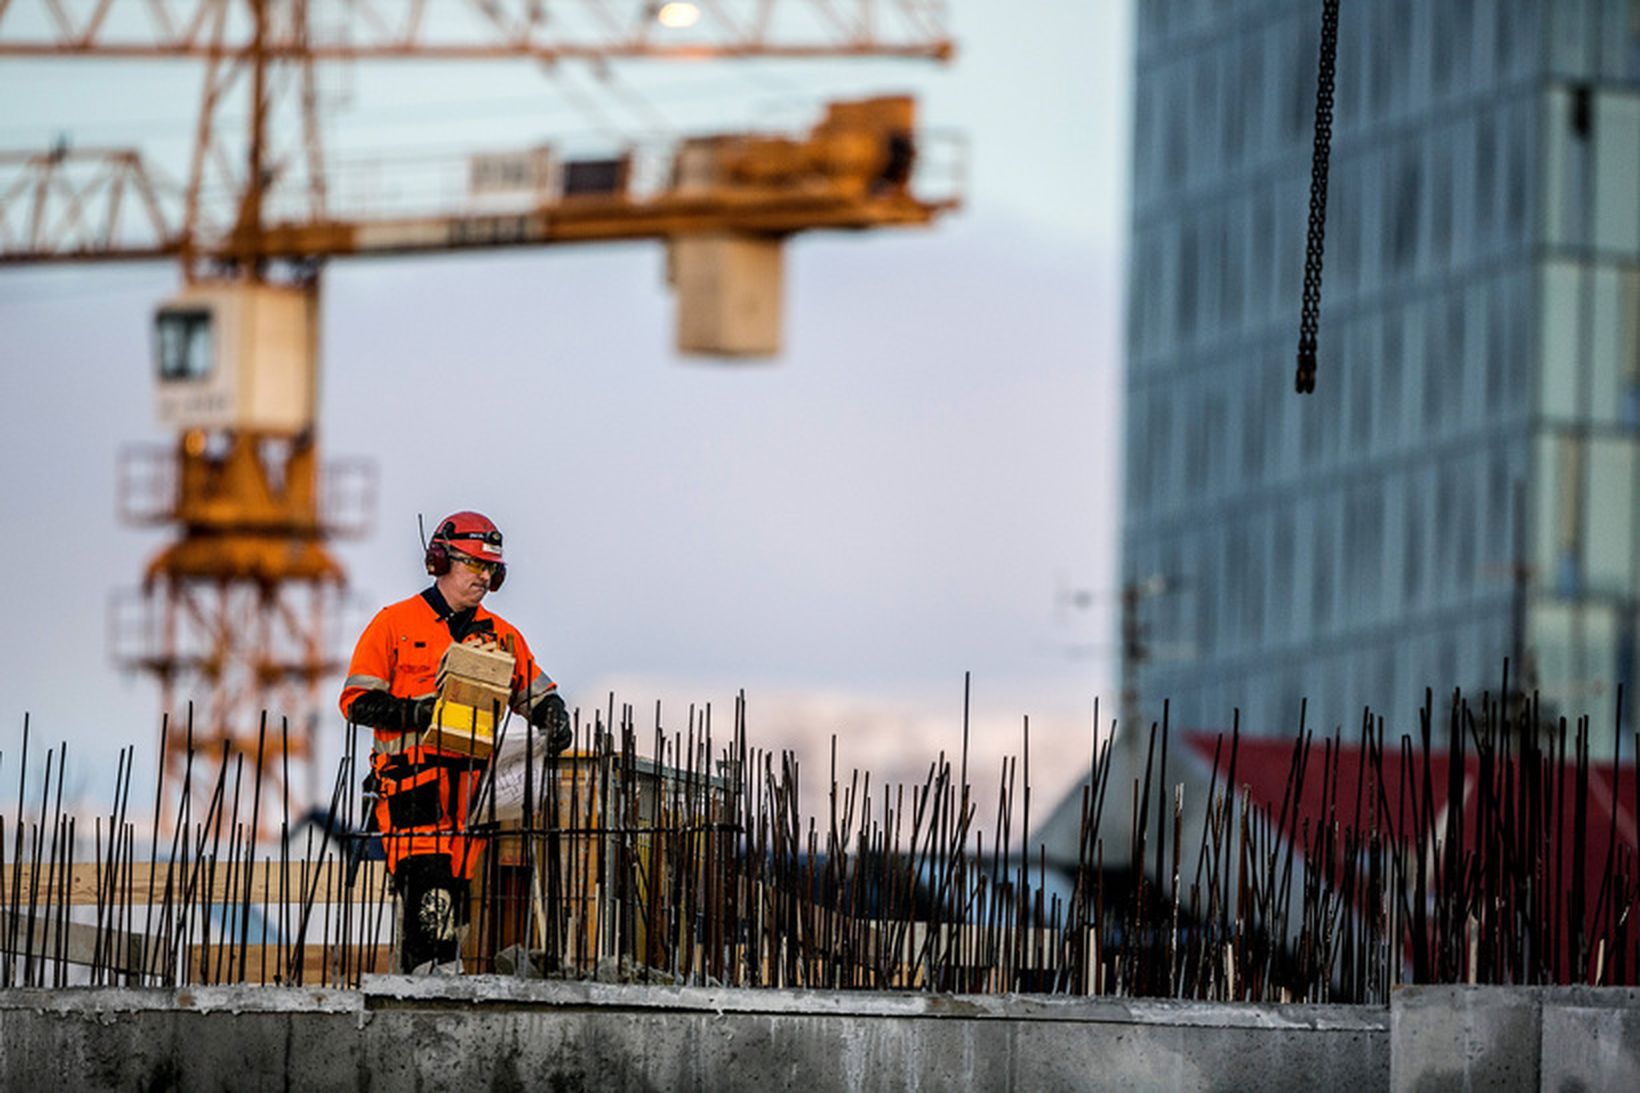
(470, 533)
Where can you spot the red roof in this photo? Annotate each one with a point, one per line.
(1530, 824)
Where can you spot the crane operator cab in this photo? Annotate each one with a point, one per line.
(237, 356)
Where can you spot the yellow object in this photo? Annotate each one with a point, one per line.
(464, 729)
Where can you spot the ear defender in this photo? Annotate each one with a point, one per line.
(438, 551)
(437, 559)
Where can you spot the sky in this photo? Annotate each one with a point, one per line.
(911, 492)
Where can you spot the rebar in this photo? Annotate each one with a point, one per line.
(1472, 851)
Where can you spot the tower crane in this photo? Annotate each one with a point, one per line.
(234, 610)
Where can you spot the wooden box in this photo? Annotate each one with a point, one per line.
(478, 664)
(474, 687)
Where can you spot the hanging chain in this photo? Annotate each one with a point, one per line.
(1309, 320)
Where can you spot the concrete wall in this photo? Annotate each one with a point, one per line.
(485, 1032)
(496, 1033)
(1565, 1039)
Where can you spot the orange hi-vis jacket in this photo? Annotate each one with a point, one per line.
(425, 791)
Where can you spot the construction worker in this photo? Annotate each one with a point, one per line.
(423, 793)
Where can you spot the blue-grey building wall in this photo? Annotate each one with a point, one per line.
(1479, 344)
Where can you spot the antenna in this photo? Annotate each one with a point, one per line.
(421, 530)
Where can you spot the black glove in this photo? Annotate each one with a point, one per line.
(550, 716)
(419, 711)
(380, 710)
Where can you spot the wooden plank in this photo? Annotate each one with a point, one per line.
(122, 953)
(318, 964)
(268, 883)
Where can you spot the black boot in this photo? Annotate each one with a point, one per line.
(432, 912)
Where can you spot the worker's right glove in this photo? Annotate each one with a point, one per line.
(419, 712)
(551, 716)
(380, 710)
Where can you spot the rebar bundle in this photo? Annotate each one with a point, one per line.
(1487, 847)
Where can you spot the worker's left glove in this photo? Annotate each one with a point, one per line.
(551, 717)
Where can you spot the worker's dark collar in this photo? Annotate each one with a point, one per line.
(459, 622)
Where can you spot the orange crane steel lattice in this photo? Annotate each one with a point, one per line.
(235, 610)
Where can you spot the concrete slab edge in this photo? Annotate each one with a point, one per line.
(227, 999)
(404, 991)
(502, 992)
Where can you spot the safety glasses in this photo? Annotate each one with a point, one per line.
(477, 565)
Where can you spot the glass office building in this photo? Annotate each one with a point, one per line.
(1465, 481)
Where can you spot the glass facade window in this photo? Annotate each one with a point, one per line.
(1572, 26)
(1560, 320)
(1482, 198)
(1438, 196)
(1388, 365)
(1617, 171)
(1608, 529)
(1403, 212)
(1612, 345)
